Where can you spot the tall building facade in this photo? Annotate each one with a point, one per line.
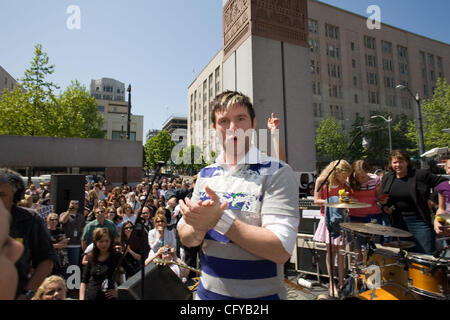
(6, 81)
(353, 70)
(110, 97)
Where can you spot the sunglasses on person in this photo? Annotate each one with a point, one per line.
(53, 219)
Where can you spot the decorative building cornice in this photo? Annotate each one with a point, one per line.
(282, 20)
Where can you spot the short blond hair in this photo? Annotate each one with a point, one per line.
(49, 280)
(52, 216)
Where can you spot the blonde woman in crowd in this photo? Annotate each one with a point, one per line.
(53, 288)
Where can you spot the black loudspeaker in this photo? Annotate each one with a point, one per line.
(161, 283)
(66, 187)
(309, 220)
(311, 256)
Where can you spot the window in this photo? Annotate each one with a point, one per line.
(386, 47)
(313, 45)
(373, 97)
(402, 52)
(355, 81)
(101, 108)
(439, 62)
(333, 91)
(371, 61)
(387, 65)
(369, 42)
(356, 98)
(211, 86)
(372, 78)
(313, 66)
(403, 68)
(391, 101)
(217, 79)
(317, 109)
(431, 60)
(352, 46)
(332, 51)
(422, 57)
(389, 82)
(205, 92)
(331, 31)
(313, 26)
(353, 63)
(432, 77)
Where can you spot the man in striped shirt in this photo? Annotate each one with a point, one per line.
(244, 212)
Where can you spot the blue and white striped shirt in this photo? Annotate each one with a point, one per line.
(264, 194)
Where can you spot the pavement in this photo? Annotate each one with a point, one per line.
(318, 290)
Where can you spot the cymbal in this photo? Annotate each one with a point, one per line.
(400, 244)
(347, 205)
(376, 229)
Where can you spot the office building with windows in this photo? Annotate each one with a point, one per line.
(110, 97)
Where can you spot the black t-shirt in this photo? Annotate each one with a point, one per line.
(400, 194)
(57, 235)
(95, 273)
(31, 230)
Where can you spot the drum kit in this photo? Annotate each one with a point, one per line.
(388, 271)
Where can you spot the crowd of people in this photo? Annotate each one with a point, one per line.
(136, 223)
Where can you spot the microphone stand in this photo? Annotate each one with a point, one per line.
(138, 229)
(327, 212)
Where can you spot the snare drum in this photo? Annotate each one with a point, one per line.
(428, 276)
(392, 270)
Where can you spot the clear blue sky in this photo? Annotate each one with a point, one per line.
(156, 46)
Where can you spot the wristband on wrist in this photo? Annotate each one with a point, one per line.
(224, 223)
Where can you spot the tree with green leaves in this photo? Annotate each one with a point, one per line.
(331, 140)
(77, 114)
(436, 115)
(33, 109)
(158, 148)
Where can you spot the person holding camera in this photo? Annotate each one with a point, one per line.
(168, 255)
(160, 235)
(73, 223)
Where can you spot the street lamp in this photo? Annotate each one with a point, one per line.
(419, 121)
(129, 112)
(388, 120)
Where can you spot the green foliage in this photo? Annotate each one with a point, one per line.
(330, 139)
(357, 152)
(33, 109)
(436, 114)
(435, 117)
(76, 113)
(158, 148)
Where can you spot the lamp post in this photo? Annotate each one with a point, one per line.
(129, 112)
(388, 120)
(419, 121)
